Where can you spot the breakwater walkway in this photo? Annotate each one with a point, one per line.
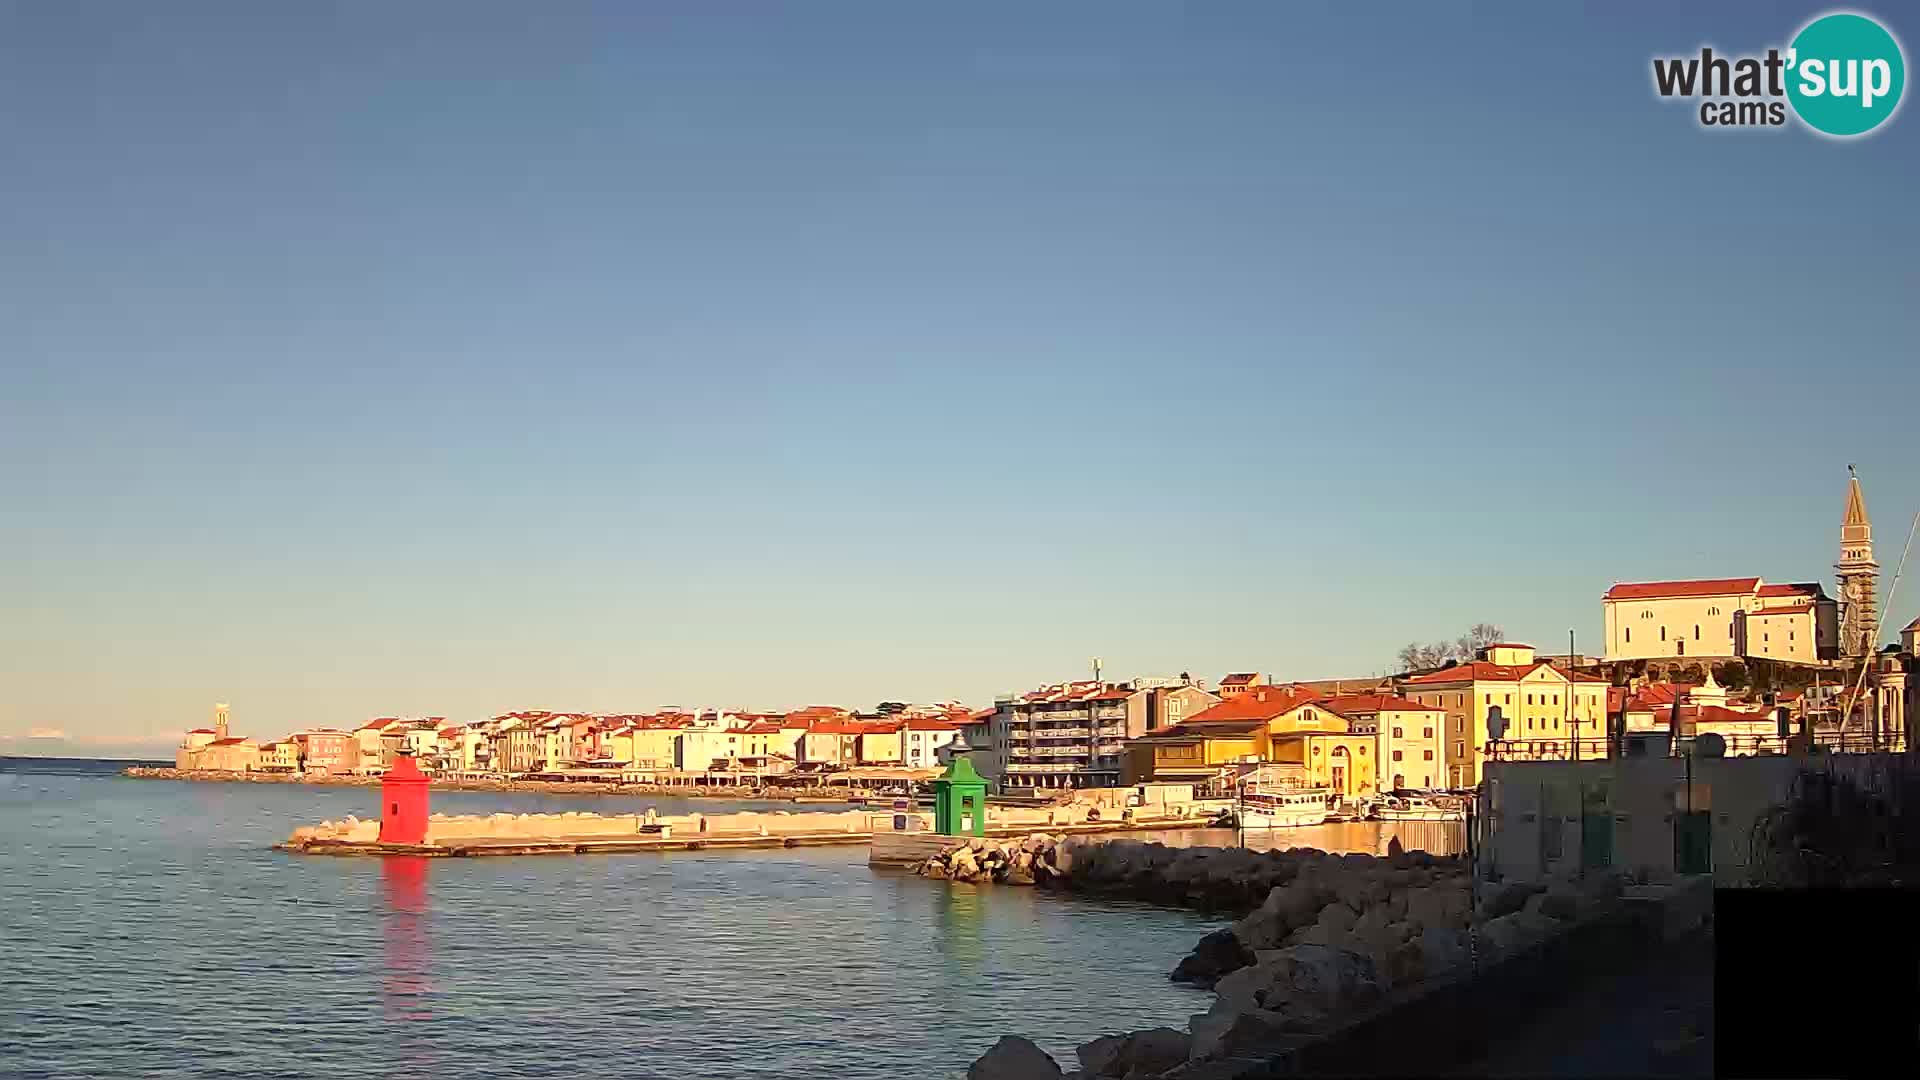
(467, 836)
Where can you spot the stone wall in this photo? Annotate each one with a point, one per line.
(1323, 938)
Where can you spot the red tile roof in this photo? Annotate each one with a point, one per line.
(922, 724)
(203, 731)
(227, 742)
(837, 727)
(1808, 589)
(1258, 703)
(1660, 590)
(1486, 671)
(1370, 703)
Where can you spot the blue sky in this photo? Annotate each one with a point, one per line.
(450, 358)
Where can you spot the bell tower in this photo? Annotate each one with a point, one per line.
(1858, 576)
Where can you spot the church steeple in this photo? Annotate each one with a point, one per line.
(1858, 575)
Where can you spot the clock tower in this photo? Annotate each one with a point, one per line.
(1858, 576)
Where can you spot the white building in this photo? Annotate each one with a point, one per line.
(1721, 618)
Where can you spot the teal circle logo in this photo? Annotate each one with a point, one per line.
(1845, 74)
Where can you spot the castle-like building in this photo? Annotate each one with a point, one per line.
(1748, 618)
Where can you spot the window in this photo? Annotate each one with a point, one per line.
(1429, 755)
(1459, 750)
(1529, 723)
(1663, 633)
(1489, 700)
(1629, 633)
(1713, 611)
(1427, 733)
(1508, 700)
(1646, 614)
(1426, 780)
(1696, 631)
(1363, 750)
(1399, 733)
(1397, 755)
(1529, 699)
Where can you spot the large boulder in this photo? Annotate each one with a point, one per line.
(1264, 985)
(1515, 931)
(1221, 1033)
(1442, 950)
(1505, 899)
(1014, 1058)
(1330, 979)
(1437, 906)
(1140, 1053)
(1215, 955)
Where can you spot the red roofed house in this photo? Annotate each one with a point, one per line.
(1721, 618)
(1545, 709)
(922, 740)
(1407, 737)
(1240, 682)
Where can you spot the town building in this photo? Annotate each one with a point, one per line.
(1558, 713)
(1240, 682)
(1408, 736)
(281, 757)
(924, 738)
(1720, 618)
(325, 752)
(214, 750)
(1289, 726)
(1067, 735)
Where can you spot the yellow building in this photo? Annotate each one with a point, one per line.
(280, 757)
(1542, 705)
(1720, 617)
(1407, 737)
(1285, 725)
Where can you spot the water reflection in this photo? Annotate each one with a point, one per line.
(409, 953)
(1341, 838)
(957, 918)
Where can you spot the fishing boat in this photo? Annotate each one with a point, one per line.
(1419, 806)
(1284, 807)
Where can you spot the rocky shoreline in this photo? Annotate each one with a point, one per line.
(1320, 938)
(543, 787)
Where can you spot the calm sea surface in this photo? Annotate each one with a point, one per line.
(148, 929)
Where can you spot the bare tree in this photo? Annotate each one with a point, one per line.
(1478, 636)
(1421, 656)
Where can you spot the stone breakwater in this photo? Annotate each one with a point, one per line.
(1324, 938)
(543, 787)
(449, 830)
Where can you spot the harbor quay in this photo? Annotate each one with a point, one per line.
(406, 825)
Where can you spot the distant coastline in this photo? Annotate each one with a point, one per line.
(545, 787)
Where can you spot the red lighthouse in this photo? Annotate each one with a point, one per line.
(403, 803)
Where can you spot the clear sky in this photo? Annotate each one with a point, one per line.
(451, 358)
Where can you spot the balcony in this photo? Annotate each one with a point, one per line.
(1110, 712)
(1046, 751)
(1037, 732)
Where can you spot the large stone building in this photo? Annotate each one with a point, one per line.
(1749, 619)
(1553, 713)
(1720, 618)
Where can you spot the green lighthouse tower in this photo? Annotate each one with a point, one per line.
(960, 800)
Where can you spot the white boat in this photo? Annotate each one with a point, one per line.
(1284, 808)
(1419, 806)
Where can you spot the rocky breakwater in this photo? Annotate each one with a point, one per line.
(1331, 937)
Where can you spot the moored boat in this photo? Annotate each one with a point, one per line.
(1283, 808)
(1419, 806)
